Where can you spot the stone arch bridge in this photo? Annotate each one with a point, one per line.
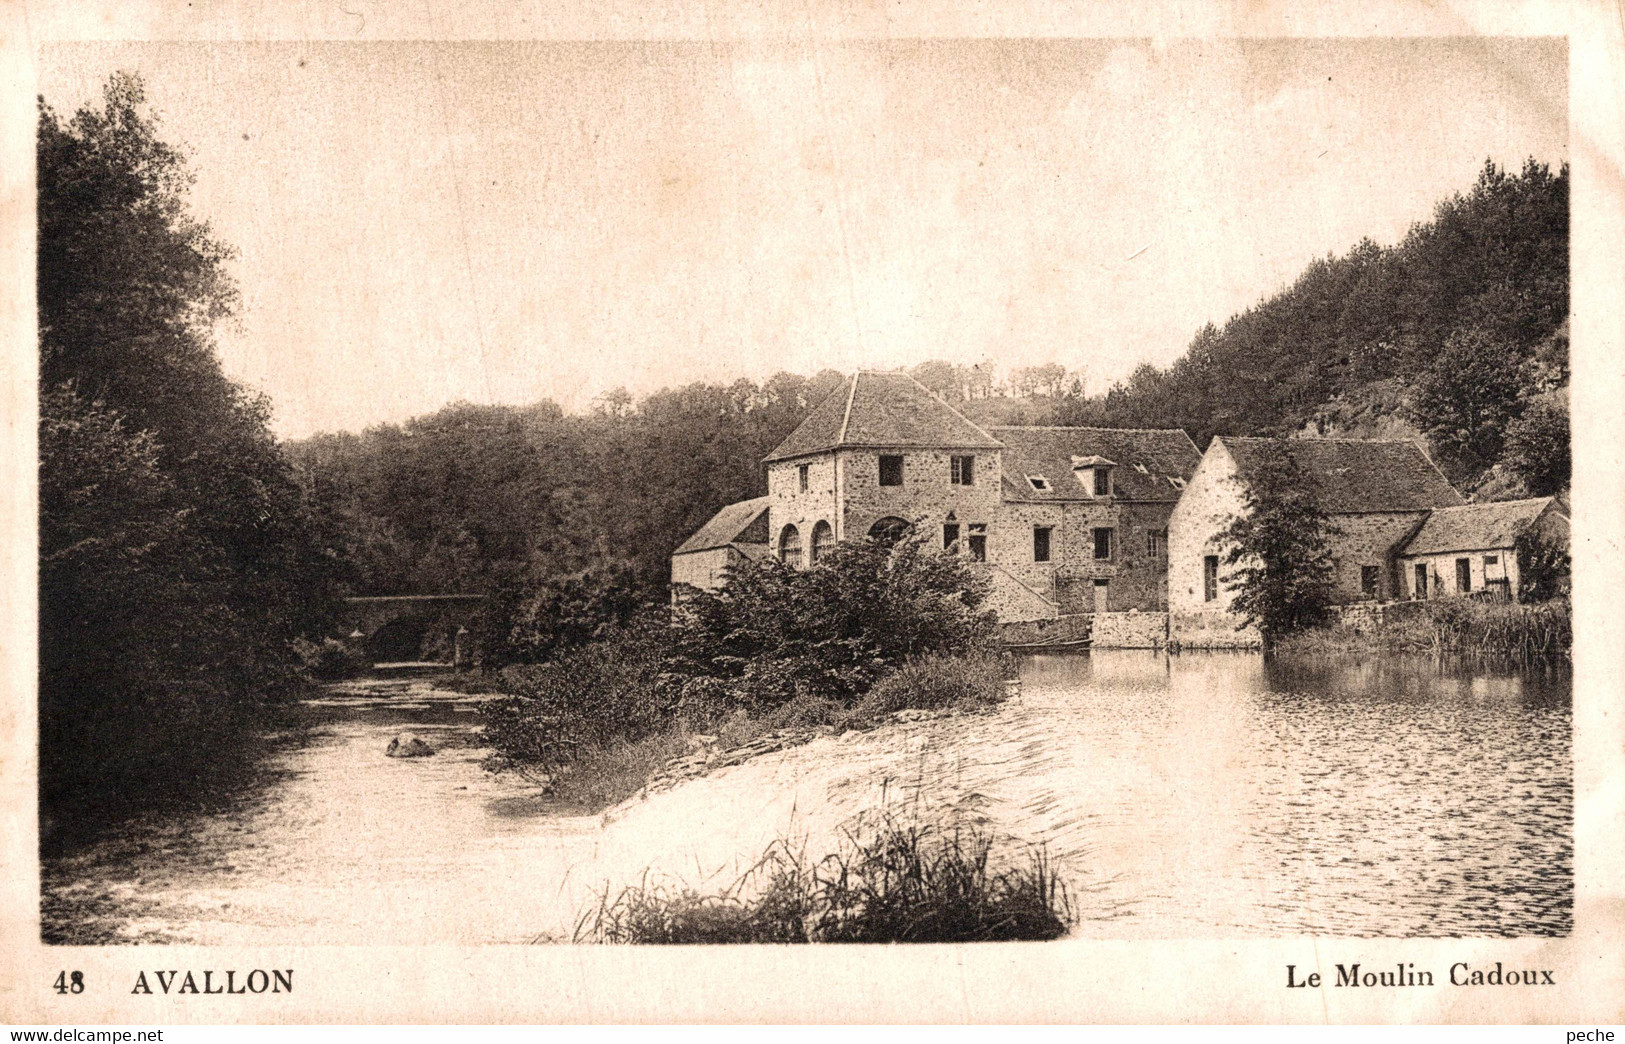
(405, 628)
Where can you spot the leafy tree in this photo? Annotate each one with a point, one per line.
(177, 562)
(1543, 567)
(1467, 397)
(1283, 578)
(1537, 445)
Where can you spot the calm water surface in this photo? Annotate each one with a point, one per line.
(1194, 795)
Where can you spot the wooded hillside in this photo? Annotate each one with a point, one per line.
(1458, 331)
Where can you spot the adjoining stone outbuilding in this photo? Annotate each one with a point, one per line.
(733, 535)
(1473, 549)
(1377, 493)
(1066, 521)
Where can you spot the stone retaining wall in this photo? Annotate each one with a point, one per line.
(1129, 631)
(1211, 630)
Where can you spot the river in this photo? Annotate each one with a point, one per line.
(1202, 794)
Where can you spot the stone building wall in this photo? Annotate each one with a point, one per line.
(1370, 540)
(926, 495)
(1441, 570)
(1212, 497)
(789, 506)
(702, 569)
(1130, 630)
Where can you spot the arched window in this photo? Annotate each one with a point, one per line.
(790, 547)
(890, 529)
(823, 536)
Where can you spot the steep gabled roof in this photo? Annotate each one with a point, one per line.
(882, 410)
(1150, 465)
(1476, 527)
(742, 523)
(1351, 476)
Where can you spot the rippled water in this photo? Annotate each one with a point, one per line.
(1194, 795)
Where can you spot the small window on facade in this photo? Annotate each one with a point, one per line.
(1156, 543)
(1368, 580)
(950, 537)
(962, 471)
(1041, 543)
(1039, 482)
(1210, 578)
(1490, 560)
(977, 542)
(1103, 481)
(891, 471)
(1103, 544)
(802, 476)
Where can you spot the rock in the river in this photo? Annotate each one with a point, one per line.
(407, 745)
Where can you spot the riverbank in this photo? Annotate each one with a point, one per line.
(1197, 795)
(1534, 633)
(611, 767)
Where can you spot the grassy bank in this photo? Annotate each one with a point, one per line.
(901, 882)
(1541, 632)
(591, 725)
(872, 629)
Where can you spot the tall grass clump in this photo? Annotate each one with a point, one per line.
(1516, 633)
(1493, 632)
(905, 882)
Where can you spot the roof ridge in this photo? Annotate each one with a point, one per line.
(1497, 503)
(1082, 427)
(1362, 442)
(846, 418)
(945, 405)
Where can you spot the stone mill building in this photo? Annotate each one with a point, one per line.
(1065, 521)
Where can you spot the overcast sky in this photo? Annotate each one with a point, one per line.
(420, 223)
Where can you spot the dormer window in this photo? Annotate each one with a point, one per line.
(1039, 483)
(1094, 473)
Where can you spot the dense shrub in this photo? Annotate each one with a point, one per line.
(777, 647)
(1519, 633)
(331, 658)
(590, 698)
(904, 882)
(1497, 632)
(1543, 567)
(773, 634)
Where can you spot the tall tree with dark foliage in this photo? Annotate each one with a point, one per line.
(1283, 575)
(176, 563)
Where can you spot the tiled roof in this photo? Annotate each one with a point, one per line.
(1351, 476)
(733, 524)
(1475, 527)
(1150, 465)
(882, 410)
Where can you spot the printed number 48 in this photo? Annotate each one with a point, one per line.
(67, 982)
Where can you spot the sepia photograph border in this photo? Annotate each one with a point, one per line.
(1072, 980)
